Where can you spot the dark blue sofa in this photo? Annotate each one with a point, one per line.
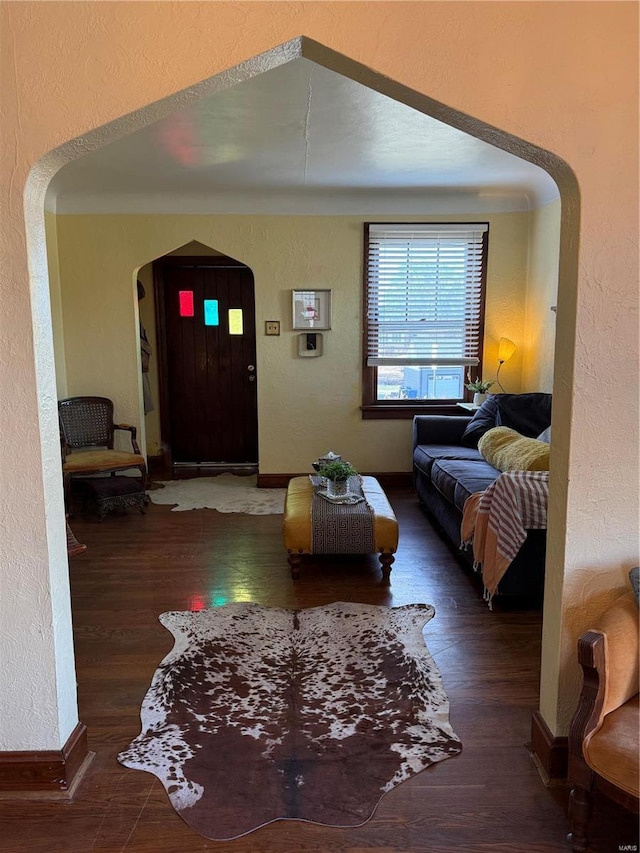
(447, 468)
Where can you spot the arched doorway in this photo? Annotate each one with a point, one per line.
(317, 53)
(206, 332)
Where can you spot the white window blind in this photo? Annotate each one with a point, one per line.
(424, 294)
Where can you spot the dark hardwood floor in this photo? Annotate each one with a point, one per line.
(490, 798)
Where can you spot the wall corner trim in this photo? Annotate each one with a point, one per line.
(49, 774)
(552, 753)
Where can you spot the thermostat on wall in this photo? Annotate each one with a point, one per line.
(310, 344)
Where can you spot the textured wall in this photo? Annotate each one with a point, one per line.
(70, 67)
(538, 344)
(98, 255)
(56, 303)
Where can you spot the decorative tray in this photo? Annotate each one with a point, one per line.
(341, 499)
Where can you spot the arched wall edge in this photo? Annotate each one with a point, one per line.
(43, 173)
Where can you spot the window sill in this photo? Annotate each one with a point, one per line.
(394, 411)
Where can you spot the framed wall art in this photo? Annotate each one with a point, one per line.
(311, 309)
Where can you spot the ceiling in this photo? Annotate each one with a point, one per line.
(298, 138)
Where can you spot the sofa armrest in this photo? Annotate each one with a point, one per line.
(439, 429)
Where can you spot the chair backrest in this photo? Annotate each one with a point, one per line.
(619, 624)
(86, 422)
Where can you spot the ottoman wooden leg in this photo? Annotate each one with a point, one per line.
(386, 560)
(294, 561)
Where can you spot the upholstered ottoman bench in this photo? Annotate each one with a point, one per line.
(108, 494)
(313, 525)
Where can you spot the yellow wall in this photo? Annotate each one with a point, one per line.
(538, 344)
(305, 406)
(56, 304)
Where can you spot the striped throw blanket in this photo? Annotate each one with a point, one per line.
(496, 521)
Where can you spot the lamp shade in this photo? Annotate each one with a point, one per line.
(506, 349)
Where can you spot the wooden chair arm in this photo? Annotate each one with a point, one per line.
(608, 655)
(588, 716)
(134, 434)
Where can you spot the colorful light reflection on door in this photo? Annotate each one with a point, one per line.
(235, 321)
(211, 317)
(185, 303)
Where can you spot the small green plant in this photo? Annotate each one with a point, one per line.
(338, 471)
(477, 385)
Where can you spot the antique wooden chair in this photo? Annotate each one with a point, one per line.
(604, 733)
(87, 436)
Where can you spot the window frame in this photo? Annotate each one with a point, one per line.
(374, 409)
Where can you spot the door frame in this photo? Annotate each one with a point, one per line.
(161, 329)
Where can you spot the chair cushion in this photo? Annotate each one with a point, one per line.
(457, 479)
(612, 752)
(425, 455)
(100, 460)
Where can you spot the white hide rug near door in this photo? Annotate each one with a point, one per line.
(225, 493)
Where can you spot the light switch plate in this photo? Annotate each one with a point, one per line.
(272, 327)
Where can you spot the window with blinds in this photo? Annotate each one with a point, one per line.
(424, 297)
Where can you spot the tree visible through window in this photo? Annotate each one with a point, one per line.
(424, 311)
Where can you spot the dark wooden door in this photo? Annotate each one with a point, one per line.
(207, 336)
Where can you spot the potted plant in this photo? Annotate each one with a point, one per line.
(337, 475)
(479, 388)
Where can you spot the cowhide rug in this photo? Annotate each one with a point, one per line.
(260, 714)
(225, 493)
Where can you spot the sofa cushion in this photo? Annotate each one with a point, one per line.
(484, 419)
(457, 479)
(545, 435)
(507, 450)
(425, 455)
(528, 414)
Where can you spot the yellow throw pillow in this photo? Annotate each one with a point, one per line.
(507, 450)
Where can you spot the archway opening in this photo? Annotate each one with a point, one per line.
(299, 49)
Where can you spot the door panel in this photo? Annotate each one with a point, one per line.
(209, 405)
